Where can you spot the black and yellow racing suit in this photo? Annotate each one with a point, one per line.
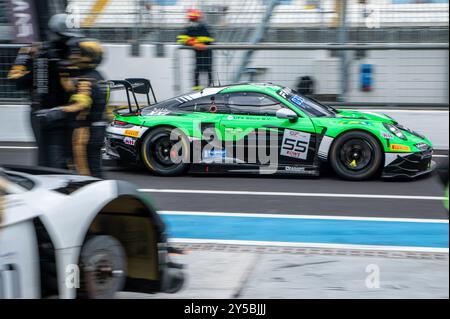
(198, 36)
(86, 108)
(36, 70)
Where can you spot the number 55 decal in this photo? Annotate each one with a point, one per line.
(295, 144)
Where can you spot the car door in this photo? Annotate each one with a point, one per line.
(253, 126)
(206, 113)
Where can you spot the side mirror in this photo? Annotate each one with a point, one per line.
(287, 114)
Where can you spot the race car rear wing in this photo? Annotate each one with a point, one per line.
(133, 86)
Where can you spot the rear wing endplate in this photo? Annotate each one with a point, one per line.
(133, 86)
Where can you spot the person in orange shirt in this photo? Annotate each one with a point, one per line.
(197, 35)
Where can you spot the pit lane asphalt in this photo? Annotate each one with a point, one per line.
(324, 204)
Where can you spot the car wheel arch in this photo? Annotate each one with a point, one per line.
(124, 217)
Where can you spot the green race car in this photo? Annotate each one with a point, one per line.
(262, 129)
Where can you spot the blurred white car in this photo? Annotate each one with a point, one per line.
(69, 236)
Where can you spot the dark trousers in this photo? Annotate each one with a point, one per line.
(204, 64)
(54, 144)
(37, 131)
(198, 71)
(87, 149)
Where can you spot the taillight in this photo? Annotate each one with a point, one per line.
(121, 123)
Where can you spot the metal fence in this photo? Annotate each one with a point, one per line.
(297, 13)
(413, 75)
(8, 90)
(408, 74)
(233, 21)
(404, 75)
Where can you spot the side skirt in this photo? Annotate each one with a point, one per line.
(313, 171)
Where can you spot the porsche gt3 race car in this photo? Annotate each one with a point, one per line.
(263, 129)
(70, 237)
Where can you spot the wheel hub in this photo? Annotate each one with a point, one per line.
(163, 148)
(356, 155)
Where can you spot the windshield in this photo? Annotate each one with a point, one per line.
(310, 106)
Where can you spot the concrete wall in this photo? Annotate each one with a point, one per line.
(399, 76)
(14, 124)
(119, 64)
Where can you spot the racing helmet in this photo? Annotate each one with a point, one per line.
(83, 54)
(58, 26)
(194, 15)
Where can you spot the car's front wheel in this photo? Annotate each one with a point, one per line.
(103, 267)
(165, 152)
(356, 156)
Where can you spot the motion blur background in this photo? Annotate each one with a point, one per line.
(142, 33)
(359, 53)
(387, 55)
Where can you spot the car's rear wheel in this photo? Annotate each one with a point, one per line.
(356, 156)
(165, 152)
(103, 268)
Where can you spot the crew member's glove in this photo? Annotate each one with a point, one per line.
(51, 117)
(200, 46)
(191, 42)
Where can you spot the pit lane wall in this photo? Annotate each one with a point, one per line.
(14, 124)
(425, 81)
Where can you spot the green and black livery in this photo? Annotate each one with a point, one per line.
(357, 145)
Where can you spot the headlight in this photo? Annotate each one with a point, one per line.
(396, 131)
(411, 132)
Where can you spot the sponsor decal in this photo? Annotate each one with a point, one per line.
(215, 154)
(387, 135)
(284, 93)
(399, 147)
(295, 144)
(132, 133)
(129, 141)
(354, 123)
(24, 18)
(159, 112)
(422, 146)
(230, 130)
(294, 169)
(298, 100)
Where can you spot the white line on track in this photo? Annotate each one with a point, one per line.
(18, 148)
(288, 194)
(308, 245)
(321, 217)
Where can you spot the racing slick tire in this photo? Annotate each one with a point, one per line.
(165, 152)
(356, 156)
(103, 268)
